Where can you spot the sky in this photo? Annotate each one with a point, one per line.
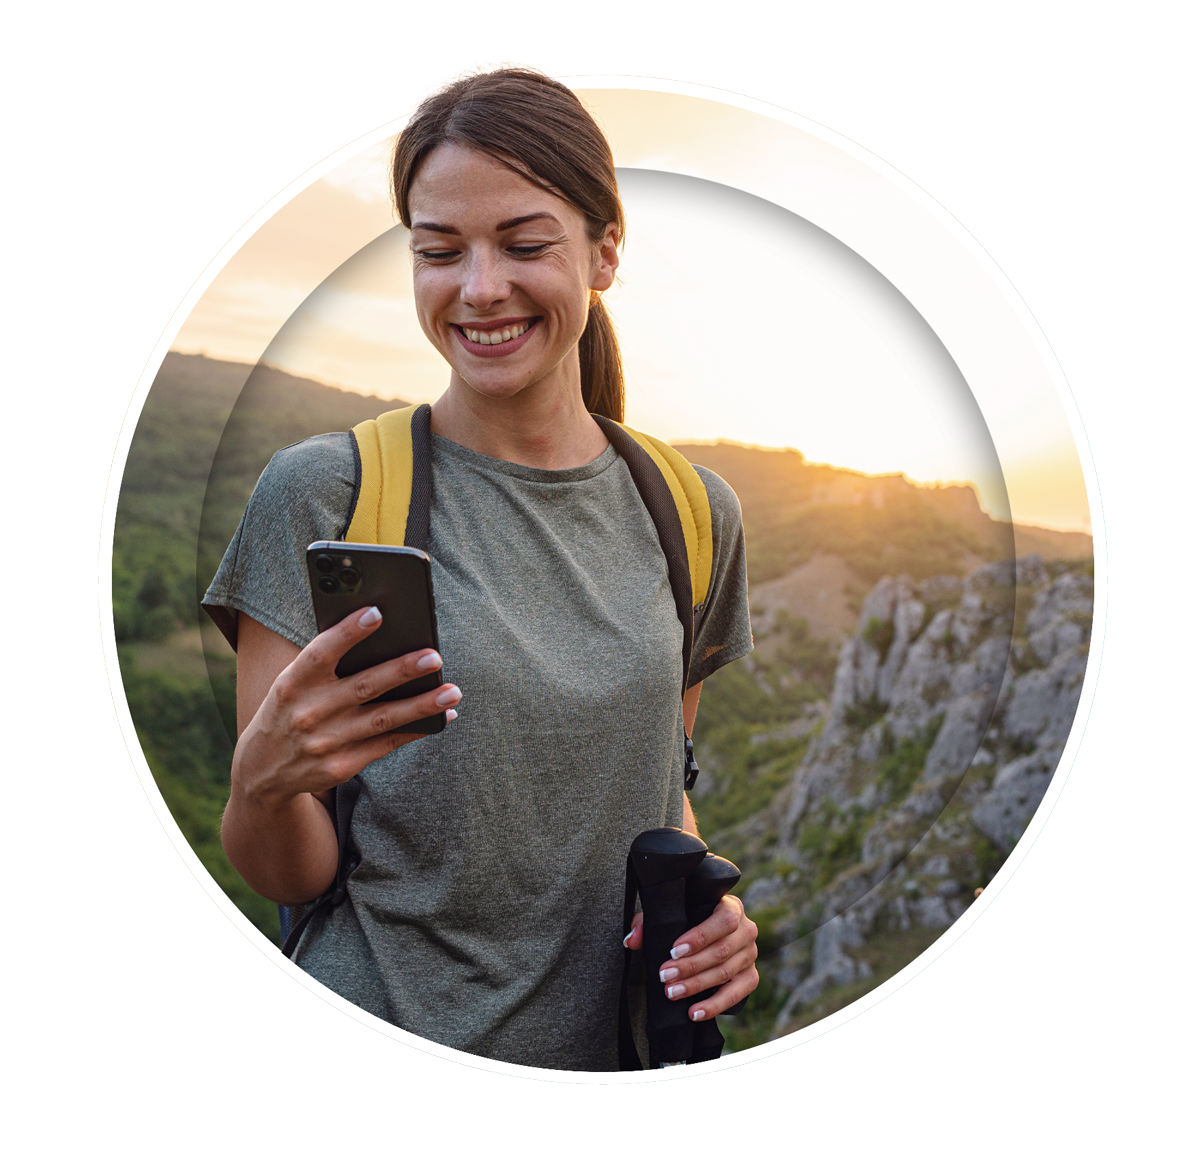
(738, 318)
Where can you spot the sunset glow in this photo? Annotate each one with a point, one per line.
(738, 320)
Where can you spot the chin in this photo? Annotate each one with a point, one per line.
(494, 388)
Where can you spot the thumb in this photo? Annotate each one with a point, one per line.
(634, 940)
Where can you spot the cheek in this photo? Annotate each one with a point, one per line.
(431, 300)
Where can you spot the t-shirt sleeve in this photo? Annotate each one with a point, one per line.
(303, 495)
(723, 634)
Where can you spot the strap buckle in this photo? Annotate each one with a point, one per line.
(690, 770)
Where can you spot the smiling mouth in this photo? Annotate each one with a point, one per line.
(502, 339)
(499, 335)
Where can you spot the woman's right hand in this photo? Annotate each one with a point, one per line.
(313, 729)
(301, 736)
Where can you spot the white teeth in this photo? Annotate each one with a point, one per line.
(489, 338)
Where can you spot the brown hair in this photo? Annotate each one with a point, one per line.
(537, 127)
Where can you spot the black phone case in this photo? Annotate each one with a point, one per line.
(398, 581)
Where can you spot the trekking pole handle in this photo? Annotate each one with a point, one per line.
(661, 860)
(709, 882)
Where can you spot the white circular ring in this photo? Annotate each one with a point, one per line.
(744, 1056)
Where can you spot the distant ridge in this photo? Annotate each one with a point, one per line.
(219, 382)
(1052, 544)
(818, 537)
(784, 497)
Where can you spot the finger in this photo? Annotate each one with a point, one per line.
(389, 717)
(634, 940)
(725, 997)
(369, 684)
(727, 917)
(318, 659)
(738, 941)
(711, 978)
(350, 760)
(353, 758)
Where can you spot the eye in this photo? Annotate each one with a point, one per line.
(528, 251)
(433, 255)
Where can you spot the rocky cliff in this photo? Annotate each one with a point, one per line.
(950, 708)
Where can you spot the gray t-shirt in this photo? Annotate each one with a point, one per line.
(486, 914)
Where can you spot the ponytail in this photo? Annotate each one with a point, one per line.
(600, 373)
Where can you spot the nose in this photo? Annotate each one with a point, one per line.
(484, 283)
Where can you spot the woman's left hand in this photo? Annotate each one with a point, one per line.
(719, 952)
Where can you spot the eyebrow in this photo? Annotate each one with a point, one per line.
(507, 224)
(511, 222)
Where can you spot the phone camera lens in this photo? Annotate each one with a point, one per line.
(324, 563)
(350, 577)
(327, 584)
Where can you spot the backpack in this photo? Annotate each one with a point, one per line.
(393, 487)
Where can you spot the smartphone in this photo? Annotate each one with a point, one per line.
(345, 577)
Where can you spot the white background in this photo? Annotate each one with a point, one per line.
(143, 1020)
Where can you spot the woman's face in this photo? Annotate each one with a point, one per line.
(502, 273)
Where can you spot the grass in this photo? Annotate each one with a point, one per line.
(833, 841)
(880, 635)
(751, 776)
(904, 759)
(864, 715)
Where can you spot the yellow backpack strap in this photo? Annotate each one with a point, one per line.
(691, 499)
(395, 479)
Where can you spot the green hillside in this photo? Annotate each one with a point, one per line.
(194, 461)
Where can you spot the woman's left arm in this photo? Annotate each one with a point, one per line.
(721, 951)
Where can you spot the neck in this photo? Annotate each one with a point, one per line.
(544, 425)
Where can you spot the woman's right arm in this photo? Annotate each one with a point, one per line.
(302, 730)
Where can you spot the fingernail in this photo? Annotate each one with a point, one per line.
(429, 662)
(451, 715)
(668, 974)
(625, 942)
(448, 696)
(680, 950)
(371, 617)
(676, 990)
(698, 1015)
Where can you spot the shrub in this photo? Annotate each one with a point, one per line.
(880, 635)
(904, 760)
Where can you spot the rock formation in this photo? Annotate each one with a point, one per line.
(951, 705)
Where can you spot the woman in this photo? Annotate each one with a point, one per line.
(485, 913)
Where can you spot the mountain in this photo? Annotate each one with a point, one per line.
(193, 462)
(793, 510)
(868, 765)
(817, 536)
(897, 800)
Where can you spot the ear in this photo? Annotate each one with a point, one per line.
(606, 259)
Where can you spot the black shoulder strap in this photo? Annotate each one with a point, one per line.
(660, 504)
(416, 532)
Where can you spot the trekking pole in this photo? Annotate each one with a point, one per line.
(709, 880)
(659, 863)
